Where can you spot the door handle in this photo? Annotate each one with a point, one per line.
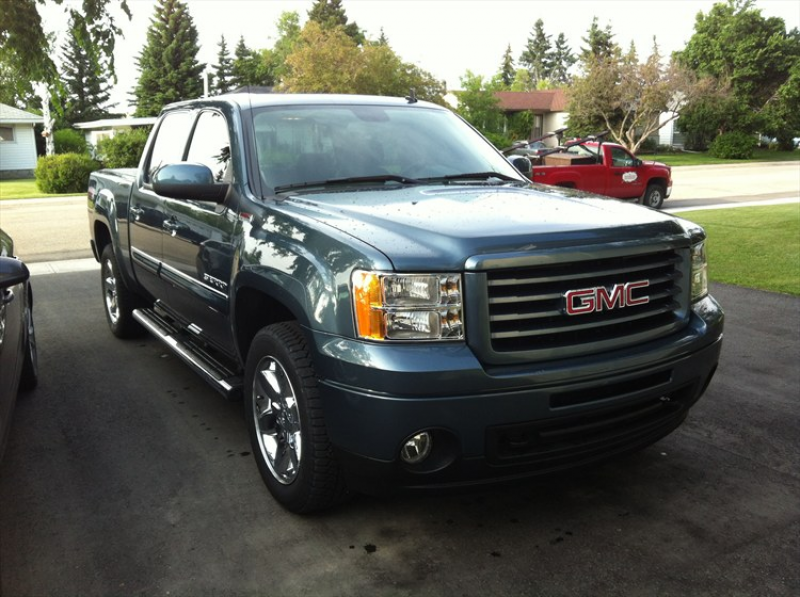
(136, 212)
(8, 297)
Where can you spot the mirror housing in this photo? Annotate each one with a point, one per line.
(523, 164)
(12, 272)
(185, 180)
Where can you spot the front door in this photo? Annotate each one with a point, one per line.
(624, 181)
(198, 247)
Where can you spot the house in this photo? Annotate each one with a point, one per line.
(96, 130)
(548, 108)
(17, 142)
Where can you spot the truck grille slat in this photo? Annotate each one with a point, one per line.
(527, 306)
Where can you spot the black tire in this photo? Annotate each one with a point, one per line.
(118, 301)
(286, 424)
(29, 377)
(654, 196)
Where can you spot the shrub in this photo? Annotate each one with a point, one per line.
(65, 173)
(124, 149)
(70, 141)
(733, 146)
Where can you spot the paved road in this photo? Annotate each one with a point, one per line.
(125, 474)
(57, 229)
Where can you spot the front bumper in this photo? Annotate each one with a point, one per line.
(506, 422)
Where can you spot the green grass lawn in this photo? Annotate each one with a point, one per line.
(700, 159)
(755, 247)
(23, 189)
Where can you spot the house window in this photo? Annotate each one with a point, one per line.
(6, 134)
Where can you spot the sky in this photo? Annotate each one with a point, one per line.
(444, 37)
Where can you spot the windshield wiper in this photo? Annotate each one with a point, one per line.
(474, 176)
(344, 181)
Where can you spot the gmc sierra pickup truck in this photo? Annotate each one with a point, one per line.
(606, 169)
(395, 304)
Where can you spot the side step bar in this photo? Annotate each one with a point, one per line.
(220, 377)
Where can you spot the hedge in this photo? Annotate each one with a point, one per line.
(64, 173)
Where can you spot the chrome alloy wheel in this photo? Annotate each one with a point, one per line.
(277, 420)
(110, 292)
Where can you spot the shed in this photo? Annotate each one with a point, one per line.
(17, 142)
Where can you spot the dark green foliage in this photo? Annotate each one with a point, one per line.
(507, 71)
(169, 70)
(24, 45)
(562, 60)
(756, 61)
(70, 141)
(733, 146)
(536, 55)
(124, 149)
(223, 70)
(330, 14)
(599, 43)
(85, 79)
(706, 118)
(65, 173)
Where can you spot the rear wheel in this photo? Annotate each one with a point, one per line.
(118, 301)
(286, 424)
(30, 365)
(654, 196)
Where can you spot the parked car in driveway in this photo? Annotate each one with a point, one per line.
(18, 361)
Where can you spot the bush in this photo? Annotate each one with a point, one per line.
(65, 173)
(124, 149)
(70, 141)
(733, 146)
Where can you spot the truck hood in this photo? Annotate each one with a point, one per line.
(419, 228)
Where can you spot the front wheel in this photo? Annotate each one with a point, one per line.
(654, 196)
(286, 423)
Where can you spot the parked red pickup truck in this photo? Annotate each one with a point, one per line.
(607, 169)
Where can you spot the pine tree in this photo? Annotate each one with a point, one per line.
(330, 14)
(600, 43)
(536, 56)
(507, 71)
(169, 70)
(85, 82)
(562, 60)
(223, 70)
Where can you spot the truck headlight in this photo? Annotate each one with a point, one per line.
(699, 271)
(408, 306)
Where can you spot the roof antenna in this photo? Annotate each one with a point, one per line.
(412, 96)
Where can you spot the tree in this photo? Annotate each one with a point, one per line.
(507, 71)
(330, 14)
(562, 60)
(86, 88)
(632, 99)
(26, 47)
(223, 69)
(536, 56)
(478, 105)
(754, 57)
(169, 70)
(600, 43)
(371, 69)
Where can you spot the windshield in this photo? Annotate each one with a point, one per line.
(383, 144)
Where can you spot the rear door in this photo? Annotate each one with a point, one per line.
(146, 210)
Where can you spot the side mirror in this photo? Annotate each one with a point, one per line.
(523, 164)
(12, 272)
(637, 162)
(189, 181)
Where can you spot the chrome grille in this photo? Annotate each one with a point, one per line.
(527, 305)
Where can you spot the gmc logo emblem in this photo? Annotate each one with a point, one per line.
(600, 298)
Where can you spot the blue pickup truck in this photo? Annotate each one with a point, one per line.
(397, 306)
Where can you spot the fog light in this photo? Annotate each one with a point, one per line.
(416, 448)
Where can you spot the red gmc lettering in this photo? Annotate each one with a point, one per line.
(590, 300)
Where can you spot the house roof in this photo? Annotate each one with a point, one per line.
(12, 115)
(113, 123)
(552, 100)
